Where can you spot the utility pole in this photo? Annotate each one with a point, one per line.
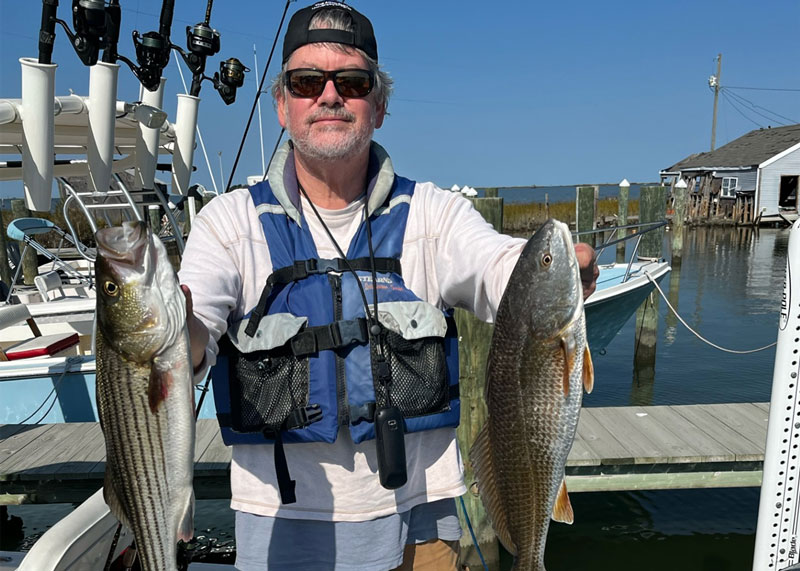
(713, 81)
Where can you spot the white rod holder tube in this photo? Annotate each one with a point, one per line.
(147, 141)
(102, 111)
(182, 157)
(38, 96)
(777, 541)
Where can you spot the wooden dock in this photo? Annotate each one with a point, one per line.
(616, 448)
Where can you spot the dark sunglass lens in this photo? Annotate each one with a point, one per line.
(306, 83)
(354, 83)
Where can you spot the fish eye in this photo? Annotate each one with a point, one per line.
(110, 288)
(547, 259)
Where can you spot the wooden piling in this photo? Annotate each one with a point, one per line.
(490, 192)
(30, 263)
(652, 208)
(679, 195)
(474, 340)
(586, 212)
(622, 217)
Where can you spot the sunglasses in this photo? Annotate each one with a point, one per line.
(311, 82)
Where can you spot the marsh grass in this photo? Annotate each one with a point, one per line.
(527, 217)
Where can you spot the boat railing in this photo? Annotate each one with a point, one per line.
(639, 230)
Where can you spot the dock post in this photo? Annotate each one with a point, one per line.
(622, 216)
(30, 264)
(474, 340)
(679, 196)
(490, 192)
(652, 208)
(586, 213)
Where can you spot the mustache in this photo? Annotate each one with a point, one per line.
(338, 113)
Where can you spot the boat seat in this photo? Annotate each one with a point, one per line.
(40, 345)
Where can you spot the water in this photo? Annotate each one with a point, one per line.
(729, 286)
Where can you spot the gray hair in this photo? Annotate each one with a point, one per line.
(336, 19)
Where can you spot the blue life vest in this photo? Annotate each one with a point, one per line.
(309, 365)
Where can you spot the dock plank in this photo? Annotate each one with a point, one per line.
(615, 448)
(701, 418)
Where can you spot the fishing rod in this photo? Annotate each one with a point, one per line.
(89, 20)
(258, 94)
(203, 41)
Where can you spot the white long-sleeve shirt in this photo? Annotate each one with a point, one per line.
(451, 258)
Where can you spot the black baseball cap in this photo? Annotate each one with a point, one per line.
(298, 34)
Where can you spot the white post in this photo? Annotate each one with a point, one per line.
(183, 155)
(102, 116)
(147, 141)
(778, 511)
(38, 96)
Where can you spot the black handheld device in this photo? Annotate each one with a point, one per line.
(391, 447)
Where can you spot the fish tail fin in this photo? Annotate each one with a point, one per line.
(588, 370)
(186, 522)
(481, 458)
(562, 508)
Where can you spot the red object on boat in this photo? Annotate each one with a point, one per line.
(42, 345)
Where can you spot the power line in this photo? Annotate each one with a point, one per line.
(734, 105)
(755, 106)
(760, 88)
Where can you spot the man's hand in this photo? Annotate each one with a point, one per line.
(588, 267)
(198, 332)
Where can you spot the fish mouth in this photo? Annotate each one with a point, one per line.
(123, 244)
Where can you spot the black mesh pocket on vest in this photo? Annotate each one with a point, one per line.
(266, 386)
(419, 375)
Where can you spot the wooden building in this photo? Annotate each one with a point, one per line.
(752, 179)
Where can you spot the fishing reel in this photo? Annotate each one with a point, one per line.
(89, 20)
(152, 55)
(229, 79)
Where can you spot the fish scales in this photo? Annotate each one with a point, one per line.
(538, 365)
(145, 393)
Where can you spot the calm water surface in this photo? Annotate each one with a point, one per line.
(728, 288)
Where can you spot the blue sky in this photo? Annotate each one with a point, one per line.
(496, 93)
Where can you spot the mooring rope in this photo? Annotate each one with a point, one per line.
(703, 339)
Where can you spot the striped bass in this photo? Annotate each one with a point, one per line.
(145, 394)
(538, 366)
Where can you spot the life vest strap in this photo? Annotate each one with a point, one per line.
(301, 269)
(332, 336)
(366, 411)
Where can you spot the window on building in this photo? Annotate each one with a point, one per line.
(788, 195)
(729, 186)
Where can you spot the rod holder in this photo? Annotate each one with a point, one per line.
(183, 155)
(147, 141)
(102, 112)
(38, 96)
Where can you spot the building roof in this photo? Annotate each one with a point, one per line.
(749, 150)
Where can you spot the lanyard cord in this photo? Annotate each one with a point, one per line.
(373, 318)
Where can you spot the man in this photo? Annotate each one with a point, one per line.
(313, 371)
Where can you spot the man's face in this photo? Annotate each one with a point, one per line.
(329, 126)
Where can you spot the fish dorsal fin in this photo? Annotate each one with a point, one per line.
(568, 347)
(186, 522)
(481, 458)
(562, 509)
(588, 370)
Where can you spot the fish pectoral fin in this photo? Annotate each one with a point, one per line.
(562, 508)
(481, 458)
(568, 347)
(158, 388)
(113, 501)
(186, 522)
(588, 370)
